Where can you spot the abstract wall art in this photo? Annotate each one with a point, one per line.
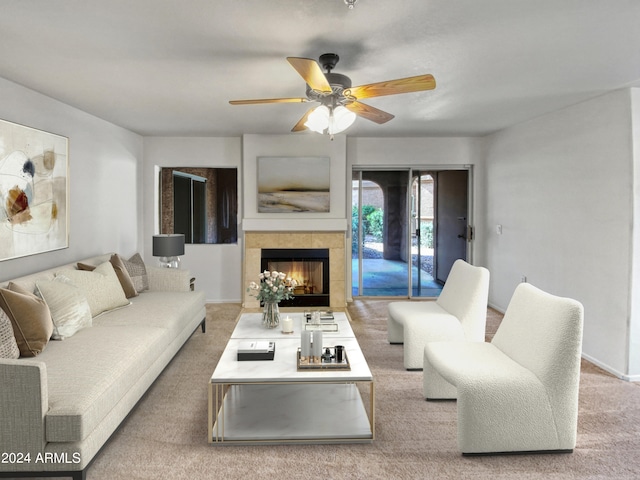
(293, 184)
(34, 191)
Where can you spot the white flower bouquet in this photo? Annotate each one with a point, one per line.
(273, 287)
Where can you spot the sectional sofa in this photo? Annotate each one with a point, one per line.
(64, 397)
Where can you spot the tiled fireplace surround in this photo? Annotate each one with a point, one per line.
(254, 242)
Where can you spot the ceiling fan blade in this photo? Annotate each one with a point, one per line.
(392, 87)
(300, 126)
(311, 72)
(268, 100)
(370, 113)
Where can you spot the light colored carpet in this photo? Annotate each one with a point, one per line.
(165, 436)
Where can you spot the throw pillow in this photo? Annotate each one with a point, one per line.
(123, 275)
(30, 319)
(8, 346)
(138, 272)
(69, 308)
(121, 272)
(100, 287)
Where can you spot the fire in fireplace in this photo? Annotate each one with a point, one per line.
(308, 266)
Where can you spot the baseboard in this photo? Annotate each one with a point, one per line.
(496, 308)
(527, 452)
(611, 370)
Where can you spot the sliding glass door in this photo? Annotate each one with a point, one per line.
(395, 234)
(379, 228)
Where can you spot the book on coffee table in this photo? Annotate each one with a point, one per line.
(256, 350)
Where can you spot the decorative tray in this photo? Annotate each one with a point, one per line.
(325, 315)
(325, 327)
(325, 365)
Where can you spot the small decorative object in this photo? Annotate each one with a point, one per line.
(326, 356)
(287, 324)
(329, 360)
(339, 353)
(316, 346)
(256, 350)
(273, 287)
(305, 346)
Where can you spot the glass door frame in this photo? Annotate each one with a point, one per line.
(411, 171)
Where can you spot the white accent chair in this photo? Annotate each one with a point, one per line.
(518, 393)
(459, 313)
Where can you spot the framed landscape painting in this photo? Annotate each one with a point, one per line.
(293, 184)
(34, 191)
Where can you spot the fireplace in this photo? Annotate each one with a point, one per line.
(308, 266)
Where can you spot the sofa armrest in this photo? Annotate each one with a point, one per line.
(24, 402)
(168, 279)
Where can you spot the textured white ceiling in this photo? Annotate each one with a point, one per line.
(169, 67)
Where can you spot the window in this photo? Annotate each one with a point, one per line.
(200, 202)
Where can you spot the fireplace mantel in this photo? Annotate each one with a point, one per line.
(255, 241)
(306, 225)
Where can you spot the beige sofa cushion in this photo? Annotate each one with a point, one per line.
(123, 345)
(69, 308)
(30, 319)
(101, 287)
(90, 372)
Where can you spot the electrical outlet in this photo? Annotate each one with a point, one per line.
(499, 229)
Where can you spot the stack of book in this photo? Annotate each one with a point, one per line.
(256, 350)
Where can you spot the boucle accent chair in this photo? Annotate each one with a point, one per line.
(518, 393)
(459, 313)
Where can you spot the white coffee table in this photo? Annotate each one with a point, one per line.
(270, 401)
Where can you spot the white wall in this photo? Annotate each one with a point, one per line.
(561, 186)
(104, 173)
(412, 151)
(217, 268)
(301, 145)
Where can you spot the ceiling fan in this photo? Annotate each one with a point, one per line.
(340, 102)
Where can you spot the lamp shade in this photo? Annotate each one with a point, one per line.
(170, 245)
(341, 119)
(318, 120)
(333, 120)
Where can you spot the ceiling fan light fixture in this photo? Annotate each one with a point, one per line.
(340, 119)
(350, 3)
(330, 120)
(334, 90)
(318, 120)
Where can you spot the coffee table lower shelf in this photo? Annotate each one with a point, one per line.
(289, 413)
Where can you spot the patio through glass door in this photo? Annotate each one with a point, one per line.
(395, 234)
